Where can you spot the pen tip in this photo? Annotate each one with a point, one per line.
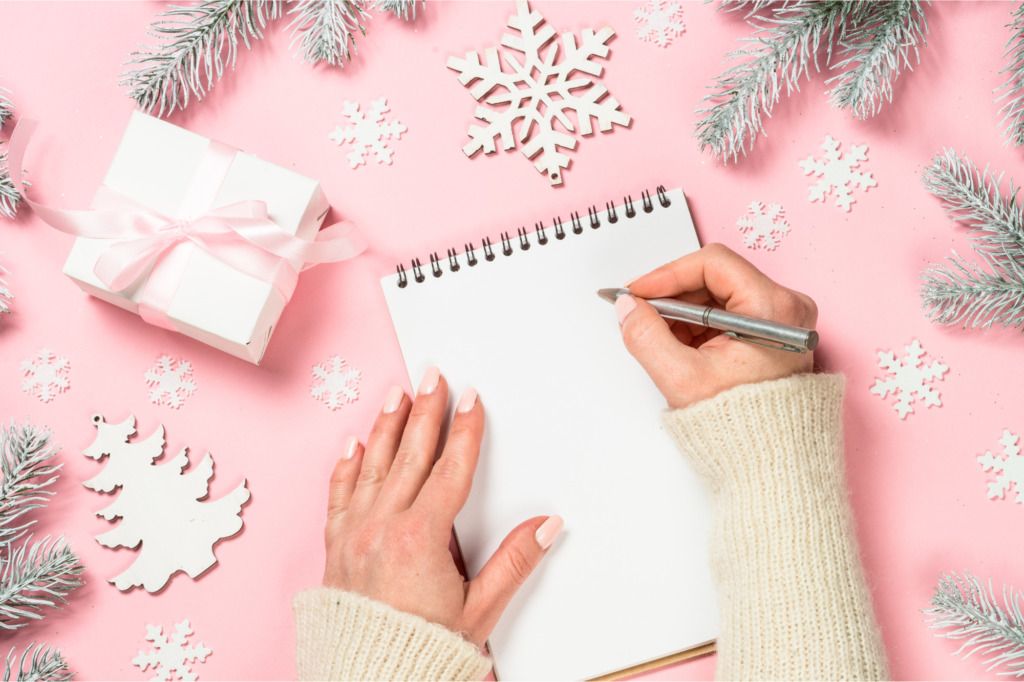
(610, 295)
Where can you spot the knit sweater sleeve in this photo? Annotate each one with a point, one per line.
(345, 636)
(792, 595)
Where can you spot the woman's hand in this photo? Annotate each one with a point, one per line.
(689, 363)
(391, 508)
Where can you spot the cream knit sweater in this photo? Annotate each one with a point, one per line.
(793, 600)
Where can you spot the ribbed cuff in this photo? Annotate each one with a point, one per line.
(345, 636)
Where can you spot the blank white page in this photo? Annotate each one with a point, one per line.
(573, 428)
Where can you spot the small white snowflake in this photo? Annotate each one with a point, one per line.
(46, 375)
(170, 382)
(659, 22)
(171, 656)
(837, 173)
(909, 379)
(1010, 468)
(367, 133)
(538, 91)
(334, 382)
(763, 226)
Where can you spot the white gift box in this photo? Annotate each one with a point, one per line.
(156, 165)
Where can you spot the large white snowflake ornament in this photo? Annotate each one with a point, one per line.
(837, 173)
(171, 656)
(1009, 467)
(537, 94)
(659, 21)
(368, 132)
(170, 382)
(909, 380)
(763, 227)
(46, 375)
(335, 383)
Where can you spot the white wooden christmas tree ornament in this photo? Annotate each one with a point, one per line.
(159, 506)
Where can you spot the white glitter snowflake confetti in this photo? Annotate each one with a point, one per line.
(46, 375)
(171, 656)
(170, 382)
(537, 92)
(659, 22)
(1009, 468)
(335, 383)
(368, 132)
(909, 380)
(763, 226)
(837, 173)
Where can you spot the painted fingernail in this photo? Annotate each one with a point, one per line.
(394, 399)
(548, 531)
(350, 448)
(467, 401)
(624, 305)
(429, 381)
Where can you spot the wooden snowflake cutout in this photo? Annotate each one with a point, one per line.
(46, 375)
(335, 382)
(368, 133)
(170, 382)
(763, 226)
(910, 379)
(160, 508)
(837, 173)
(659, 21)
(538, 92)
(170, 656)
(1009, 468)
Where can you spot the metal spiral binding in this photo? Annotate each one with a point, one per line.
(539, 233)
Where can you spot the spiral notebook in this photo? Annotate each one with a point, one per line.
(574, 429)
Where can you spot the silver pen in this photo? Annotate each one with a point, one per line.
(750, 329)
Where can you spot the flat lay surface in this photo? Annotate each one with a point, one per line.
(923, 402)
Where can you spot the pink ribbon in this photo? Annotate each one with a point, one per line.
(239, 234)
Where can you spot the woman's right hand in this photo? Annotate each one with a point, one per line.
(689, 363)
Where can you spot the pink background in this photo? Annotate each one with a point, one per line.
(918, 493)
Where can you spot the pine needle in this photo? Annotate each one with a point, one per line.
(400, 8)
(34, 576)
(873, 49)
(9, 196)
(324, 29)
(1013, 109)
(197, 43)
(25, 452)
(46, 665)
(964, 292)
(962, 603)
(5, 294)
(6, 107)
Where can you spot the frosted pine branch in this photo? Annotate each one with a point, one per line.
(5, 294)
(45, 665)
(6, 107)
(36, 576)
(324, 29)
(967, 293)
(25, 454)
(9, 196)
(780, 53)
(197, 43)
(961, 602)
(400, 8)
(1013, 109)
(873, 49)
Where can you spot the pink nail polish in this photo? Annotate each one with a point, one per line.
(467, 401)
(429, 381)
(548, 531)
(394, 399)
(624, 305)
(350, 448)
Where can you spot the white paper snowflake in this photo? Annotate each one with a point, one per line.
(537, 91)
(46, 375)
(837, 173)
(171, 656)
(335, 382)
(659, 22)
(763, 226)
(909, 379)
(367, 133)
(170, 382)
(1010, 468)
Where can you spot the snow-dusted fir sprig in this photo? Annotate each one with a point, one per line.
(400, 8)
(196, 44)
(961, 602)
(873, 50)
(9, 196)
(25, 464)
(324, 29)
(968, 293)
(36, 575)
(6, 106)
(45, 665)
(1013, 109)
(5, 294)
